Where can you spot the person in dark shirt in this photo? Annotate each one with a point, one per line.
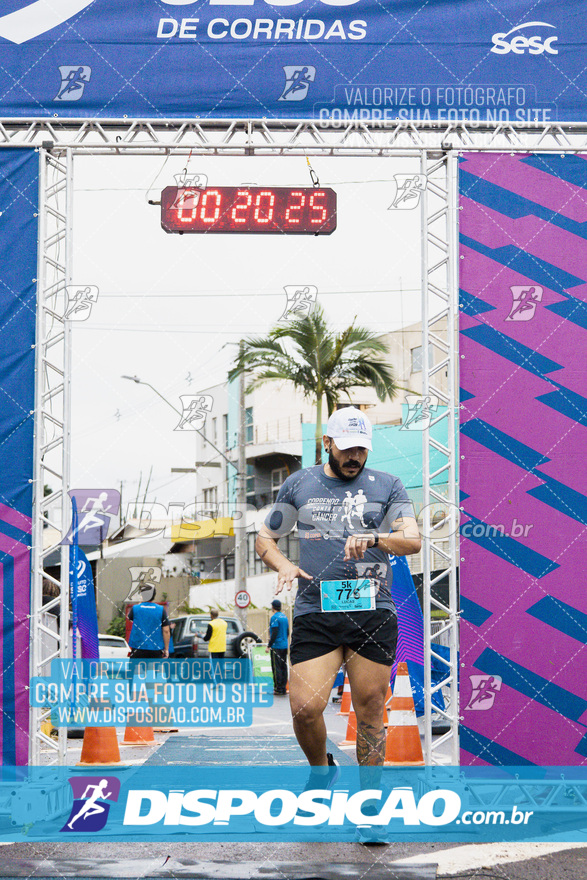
(349, 519)
(278, 641)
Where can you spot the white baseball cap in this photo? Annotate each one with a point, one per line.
(350, 427)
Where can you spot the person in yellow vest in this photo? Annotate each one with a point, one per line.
(216, 637)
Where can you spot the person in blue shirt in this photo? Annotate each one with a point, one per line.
(278, 635)
(149, 636)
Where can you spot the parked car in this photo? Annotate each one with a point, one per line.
(189, 631)
(112, 647)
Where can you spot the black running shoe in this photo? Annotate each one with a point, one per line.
(321, 781)
(372, 835)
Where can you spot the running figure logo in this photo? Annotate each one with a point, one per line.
(354, 506)
(189, 189)
(409, 188)
(73, 82)
(297, 82)
(525, 300)
(80, 300)
(144, 579)
(375, 571)
(194, 409)
(420, 411)
(95, 507)
(90, 806)
(300, 301)
(484, 689)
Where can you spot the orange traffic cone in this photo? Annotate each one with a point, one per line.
(345, 703)
(402, 745)
(138, 736)
(100, 746)
(386, 706)
(351, 729)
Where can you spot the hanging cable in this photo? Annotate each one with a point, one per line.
(313, 175)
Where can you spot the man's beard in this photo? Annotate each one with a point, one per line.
(335, 467)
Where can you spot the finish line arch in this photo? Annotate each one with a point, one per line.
(438, 157)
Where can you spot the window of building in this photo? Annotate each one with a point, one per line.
(215, 431)
(229, 568)
(289, 546)
(417, 359)
(254, 564)
(250, 480)
(249, 432)
(210, 507)
(225, 430)
(278, 477)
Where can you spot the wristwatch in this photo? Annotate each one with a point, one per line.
(375, 539)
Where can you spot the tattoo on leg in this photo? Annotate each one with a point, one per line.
(370, 744)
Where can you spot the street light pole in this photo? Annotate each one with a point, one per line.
(240, 520)
(197, 430)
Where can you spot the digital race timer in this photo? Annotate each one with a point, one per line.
(261, 209)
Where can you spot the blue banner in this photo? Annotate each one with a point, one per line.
(83, 599)
(274, 803)
(19, 172)
(330, 60)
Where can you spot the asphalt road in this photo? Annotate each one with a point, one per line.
(273, 859)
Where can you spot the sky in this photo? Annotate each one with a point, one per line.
(171, 309)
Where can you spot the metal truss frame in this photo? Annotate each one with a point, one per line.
(436, 144)
(287, 137)
(52, 437)
(440, 391)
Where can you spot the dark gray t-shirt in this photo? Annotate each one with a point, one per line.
(326, 511)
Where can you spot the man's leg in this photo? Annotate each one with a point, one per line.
(273, 657)
(310, 685)
(369, 682)
(281, 666)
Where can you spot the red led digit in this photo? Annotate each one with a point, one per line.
(204, 217)
(288, 217)
(271, 196)
(256, 210)
(189, 203)
(241, 206)
(320, 208)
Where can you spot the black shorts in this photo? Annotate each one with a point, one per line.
(372, 634)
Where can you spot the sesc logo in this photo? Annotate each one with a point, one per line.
(38, 18)
(519, 44)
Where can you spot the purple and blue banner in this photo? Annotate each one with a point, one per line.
(523, 234)
(328, 60)
(18, 268)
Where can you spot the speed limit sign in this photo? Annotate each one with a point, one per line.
(242, 599)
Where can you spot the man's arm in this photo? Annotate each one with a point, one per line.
(402, 541)
(208, 633)
(269, 552)
(166, 630)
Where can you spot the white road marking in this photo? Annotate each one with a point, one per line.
(482, 855)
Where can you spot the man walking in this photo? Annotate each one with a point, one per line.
(149, 636)
(278, 638)
(340, 615)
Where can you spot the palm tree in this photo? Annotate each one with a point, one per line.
(318, 361)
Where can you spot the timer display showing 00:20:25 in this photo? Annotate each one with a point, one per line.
(248, 209)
